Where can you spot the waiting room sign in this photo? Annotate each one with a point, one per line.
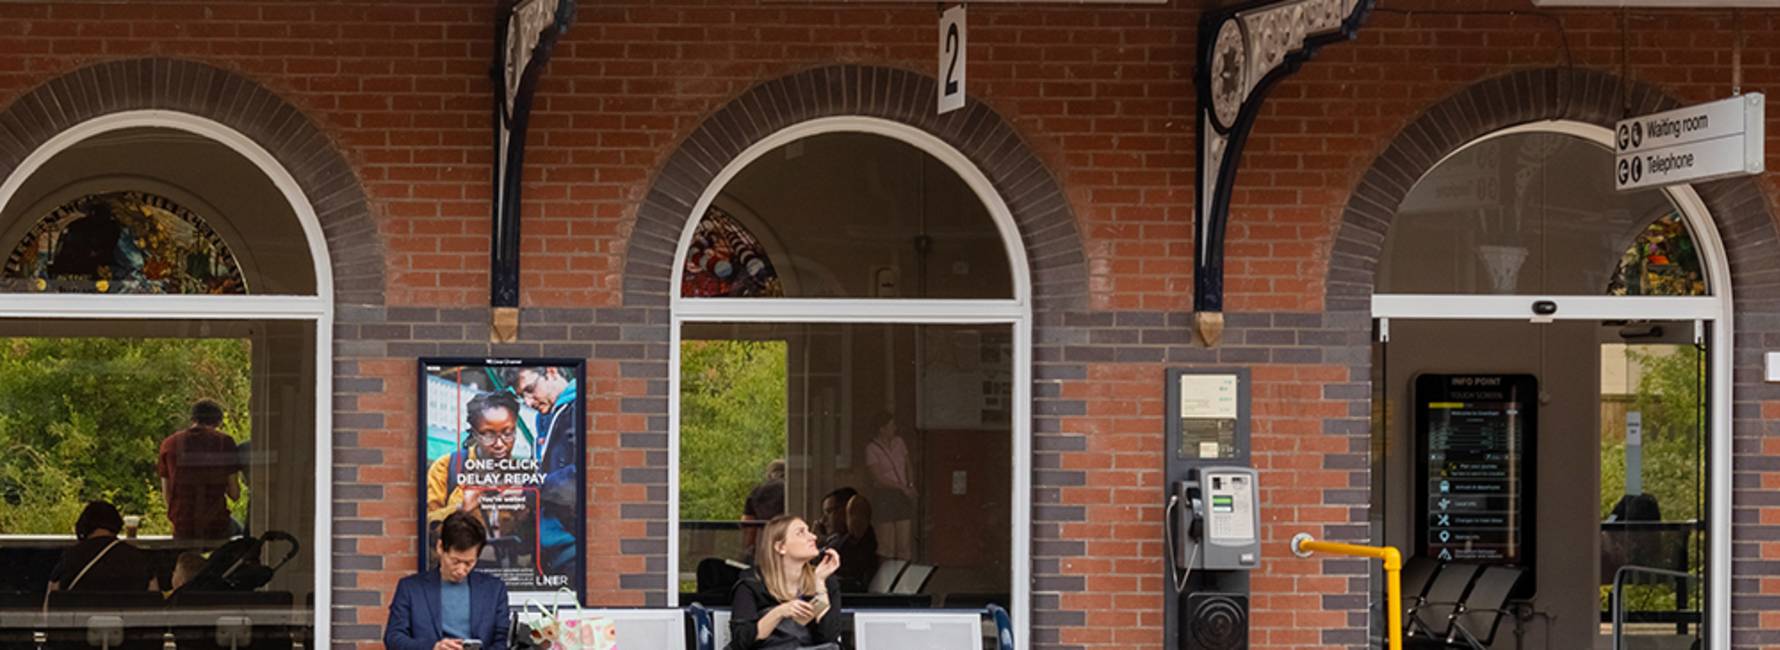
(1697, 143)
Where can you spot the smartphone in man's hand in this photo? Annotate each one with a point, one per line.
(472, 644)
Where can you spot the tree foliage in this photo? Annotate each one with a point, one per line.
(1671, 400)
(83, 419)
(732, 422)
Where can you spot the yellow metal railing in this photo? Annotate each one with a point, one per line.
(1303, 545)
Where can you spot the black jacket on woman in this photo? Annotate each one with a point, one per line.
(750, 601)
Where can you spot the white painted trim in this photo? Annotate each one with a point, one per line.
(319, 307)
(1497, 307)
(808, 310)
(1016, 311)
(1717, 262)
(64, 305)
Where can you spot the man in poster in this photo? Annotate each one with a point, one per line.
(556, 398)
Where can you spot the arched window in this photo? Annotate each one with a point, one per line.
(873, 377)
(164, 310)
(1536, 213)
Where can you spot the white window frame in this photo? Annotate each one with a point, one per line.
(1015, 312)
(1715, 308)
(317, 308)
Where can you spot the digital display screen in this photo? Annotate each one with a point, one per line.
(1475, 439)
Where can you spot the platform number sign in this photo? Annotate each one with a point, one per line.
(951, 59)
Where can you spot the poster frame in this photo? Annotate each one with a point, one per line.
(578, 579)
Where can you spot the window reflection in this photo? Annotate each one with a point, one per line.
(150, 468)
(847, 215)
(1536, 213)
(895, 443)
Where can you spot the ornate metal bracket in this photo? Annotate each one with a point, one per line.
(1242, 53)
(525, 33)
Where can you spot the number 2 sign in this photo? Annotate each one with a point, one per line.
(951, 59)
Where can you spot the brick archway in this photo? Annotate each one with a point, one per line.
(1737, 206)
(1738, 210)
(229, 99)
(1042, 213)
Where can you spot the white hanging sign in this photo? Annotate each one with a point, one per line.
(1696, 143)
(951, 59)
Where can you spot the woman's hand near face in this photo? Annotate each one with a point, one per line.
(831, 562)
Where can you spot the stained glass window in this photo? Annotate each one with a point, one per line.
(1662, 261)
(122, 242)
(726, 261)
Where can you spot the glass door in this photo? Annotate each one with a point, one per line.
(1571, 452)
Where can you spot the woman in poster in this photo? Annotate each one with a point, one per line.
(887, 456)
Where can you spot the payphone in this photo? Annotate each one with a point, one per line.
(1213, 531)
(1216, 520)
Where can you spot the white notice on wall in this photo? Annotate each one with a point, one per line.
(951, 59)
(1208, 396)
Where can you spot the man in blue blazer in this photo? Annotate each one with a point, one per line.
(438, 610)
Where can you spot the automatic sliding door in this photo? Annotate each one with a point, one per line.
(1606, 419)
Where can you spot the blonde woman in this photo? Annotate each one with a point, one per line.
(784, 603)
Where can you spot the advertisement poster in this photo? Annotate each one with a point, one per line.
(502, 438)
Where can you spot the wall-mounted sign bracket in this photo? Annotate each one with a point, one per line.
(1242, 53)
(525, 33)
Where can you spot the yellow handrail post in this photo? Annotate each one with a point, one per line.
(1303, 545)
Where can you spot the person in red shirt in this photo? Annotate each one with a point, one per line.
(198, 467)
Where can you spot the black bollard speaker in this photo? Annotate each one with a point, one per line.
(1214, 621)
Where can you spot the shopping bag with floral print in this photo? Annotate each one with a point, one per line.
(559, 628)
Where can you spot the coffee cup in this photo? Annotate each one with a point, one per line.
(131, 523)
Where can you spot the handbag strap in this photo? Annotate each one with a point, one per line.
(83, 570)
(82, 574)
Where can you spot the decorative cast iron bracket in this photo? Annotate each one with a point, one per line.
(525, 33)
(1242, 53)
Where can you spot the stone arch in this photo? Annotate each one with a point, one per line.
(1738, 207)
(1040, 210)
(227, 98)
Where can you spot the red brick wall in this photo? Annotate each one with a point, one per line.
(1103, 95)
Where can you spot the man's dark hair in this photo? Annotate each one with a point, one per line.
(462, 531)
(207, 412)
(98, 515)
(491, 400)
